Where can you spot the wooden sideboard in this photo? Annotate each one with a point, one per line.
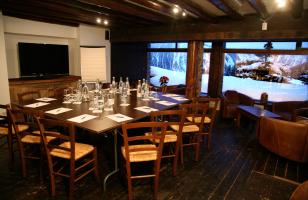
(44, 86)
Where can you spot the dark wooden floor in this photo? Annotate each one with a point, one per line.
(237, 167)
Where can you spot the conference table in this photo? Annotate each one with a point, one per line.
(103, 122)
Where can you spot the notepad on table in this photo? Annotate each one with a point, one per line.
(146, 109)
(82, 118)
(119, 117)
(58, 111)
(35, 105)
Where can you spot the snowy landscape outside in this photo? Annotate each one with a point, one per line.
(282, 77)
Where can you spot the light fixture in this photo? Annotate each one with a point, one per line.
(176, 9)
(106, 22)
(281, 3)
(98, 20)
(184, 14)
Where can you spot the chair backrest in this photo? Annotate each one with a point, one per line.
(4, 121)
(171, 117)
(24, 117)
(50, 128)
(197, 112)
(26, 96)
(130, 138)
(285, 138)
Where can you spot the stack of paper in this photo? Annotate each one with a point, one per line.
(58, 111)
(119, 117)
(146, 109)
(35, 105)
(82, 118)
(46, 99)
(166, 103)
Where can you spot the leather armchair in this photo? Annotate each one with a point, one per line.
(287, 109)
(231, 99)
(285, 138)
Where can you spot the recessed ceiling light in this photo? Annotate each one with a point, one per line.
(184, 14)
(176, 10)
(281, 3)
(106, 22)
(98, 20)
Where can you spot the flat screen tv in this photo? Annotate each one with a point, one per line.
(43, 60)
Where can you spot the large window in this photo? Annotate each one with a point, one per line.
(283, 76)
(167, 59)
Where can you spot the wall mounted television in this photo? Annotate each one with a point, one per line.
(43, 60)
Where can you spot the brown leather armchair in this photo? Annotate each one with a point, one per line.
(301, 192)
(286, 109)
(285, 138)
(231, 99)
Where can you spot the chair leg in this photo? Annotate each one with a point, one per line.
(197, 147)
(96, 173)
(71, 182)
(23, 161)
(10, 149)
(52, 184)
(130, 187)
(175, 159)
(182, 154)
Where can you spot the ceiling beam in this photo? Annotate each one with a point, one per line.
(260, 7)
(226, 8)
(193, 8)
(128, 9)
(153, 6)
(297, 8)
(106, 13)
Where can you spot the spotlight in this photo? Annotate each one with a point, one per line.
(98, 20)
(176, 10)
(281, 3)
(184, 14)
(106, 22)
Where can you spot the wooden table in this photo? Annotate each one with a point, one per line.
(254, 113)
(101, 125)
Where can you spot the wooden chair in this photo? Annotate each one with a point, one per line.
(172, 138)
(135, 150)
(23, 131)
(192, 129)
(210, 117)
(27, 96)
(81, 158)
(4, 130)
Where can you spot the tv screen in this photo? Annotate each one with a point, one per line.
(37, 60)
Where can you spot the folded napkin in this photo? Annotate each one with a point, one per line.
(180, 98)
(170, 95)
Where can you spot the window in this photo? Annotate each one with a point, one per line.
(305, 45)
(205, 72)
(170, 62)
(261, 45)
(283, 77)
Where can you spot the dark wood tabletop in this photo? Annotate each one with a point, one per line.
(257, 112)
(103, 124)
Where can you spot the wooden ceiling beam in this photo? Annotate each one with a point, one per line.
(108, 14)
(154, 6)
(57, 11)
(224, 6)
(260, 7)
(126, 8)
(297, 8)
(193, 8)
